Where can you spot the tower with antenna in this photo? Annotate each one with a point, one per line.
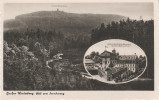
(53, 8)
(141, 18)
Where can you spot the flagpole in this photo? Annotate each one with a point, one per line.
(106, 48)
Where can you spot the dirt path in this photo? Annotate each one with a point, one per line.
(55, 58)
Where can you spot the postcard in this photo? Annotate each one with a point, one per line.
(69, 49)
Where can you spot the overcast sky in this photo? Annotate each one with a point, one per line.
(132, 10)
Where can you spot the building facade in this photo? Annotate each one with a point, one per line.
(115, 66)
(89, 64)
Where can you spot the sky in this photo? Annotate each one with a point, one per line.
(132, 10)
(123, 47)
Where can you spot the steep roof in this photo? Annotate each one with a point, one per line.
(105, 54)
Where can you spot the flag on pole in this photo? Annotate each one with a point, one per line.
(106, 48)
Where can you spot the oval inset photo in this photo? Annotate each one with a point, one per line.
(115, 61)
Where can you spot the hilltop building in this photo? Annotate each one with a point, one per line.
(115, 66)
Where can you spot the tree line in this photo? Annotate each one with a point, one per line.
(139, 32)
(25, 52)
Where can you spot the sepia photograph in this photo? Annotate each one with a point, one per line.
(78, 46)
(115, 61)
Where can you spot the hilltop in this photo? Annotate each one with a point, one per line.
(60, 21)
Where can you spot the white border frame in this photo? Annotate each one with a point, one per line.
(89, 95)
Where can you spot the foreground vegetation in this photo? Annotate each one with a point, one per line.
(26, 53)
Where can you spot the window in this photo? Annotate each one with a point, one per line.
(108, 62)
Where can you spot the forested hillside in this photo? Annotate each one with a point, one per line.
(68, 23)
(27, 50)
(139, 32)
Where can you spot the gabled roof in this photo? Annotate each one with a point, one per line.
(105, 54)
